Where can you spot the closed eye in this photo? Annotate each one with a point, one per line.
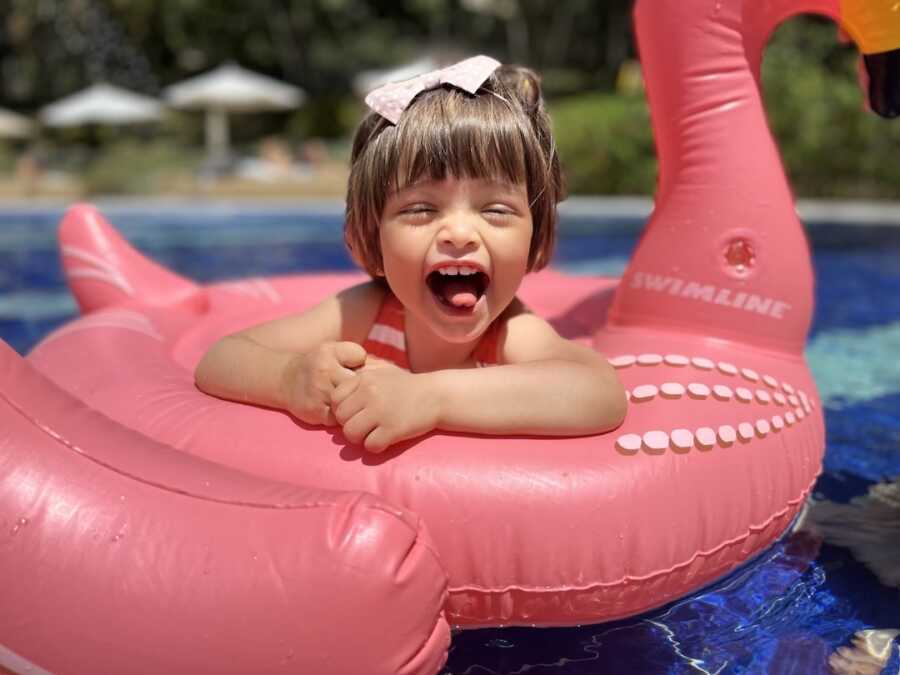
(417, 211)
(499, 210)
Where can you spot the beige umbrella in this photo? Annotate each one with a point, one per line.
(368, 80)
(102, 104)
(13, 125)
(230, 89)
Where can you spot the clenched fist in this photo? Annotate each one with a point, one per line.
(383, 404)
(310, 379)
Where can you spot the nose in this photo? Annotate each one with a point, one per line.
(460, 231)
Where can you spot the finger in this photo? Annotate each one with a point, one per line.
(349, 407)
(379, 440)
(339, 375)
(343, 390)
(350, 354)
(328, 417)
(359, 426)
(377, 362)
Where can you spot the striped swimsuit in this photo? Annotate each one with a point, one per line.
(387, 337)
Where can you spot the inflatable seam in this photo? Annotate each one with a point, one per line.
(124, 319)
(167, 488)
(19, 664)
(440, 630)
(647, 577)
(72, 447)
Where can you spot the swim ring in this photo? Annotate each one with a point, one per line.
(220, 548)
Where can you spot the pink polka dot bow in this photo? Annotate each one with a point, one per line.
(390, 100)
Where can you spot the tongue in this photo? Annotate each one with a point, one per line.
(459, 293)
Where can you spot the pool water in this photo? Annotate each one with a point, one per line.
(783, 613)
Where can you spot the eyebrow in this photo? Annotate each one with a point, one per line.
(507, 185)
(498, 182)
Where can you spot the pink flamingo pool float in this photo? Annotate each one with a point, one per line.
(149, 528)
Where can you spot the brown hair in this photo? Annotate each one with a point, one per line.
(502, 131)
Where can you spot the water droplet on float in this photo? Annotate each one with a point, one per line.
(739, 256)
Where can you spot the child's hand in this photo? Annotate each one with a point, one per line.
(310, 379)
(384, 404)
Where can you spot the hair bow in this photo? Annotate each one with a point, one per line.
(390, 100)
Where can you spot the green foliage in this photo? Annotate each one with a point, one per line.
(53, 47)
(605, 144)
(325, 117)
(7, 158)
(831, 145)
(131, 166)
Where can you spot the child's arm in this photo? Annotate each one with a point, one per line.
(549, 386)
(294, 363)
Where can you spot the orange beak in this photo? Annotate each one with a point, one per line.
(875, 27)
(873, 24)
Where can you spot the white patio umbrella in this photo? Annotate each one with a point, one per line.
(368, 80)
(230, 88)
(14, 125)
(102, 104)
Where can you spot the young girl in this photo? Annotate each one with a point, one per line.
(451, 200)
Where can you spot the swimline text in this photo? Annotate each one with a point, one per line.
(693, 290)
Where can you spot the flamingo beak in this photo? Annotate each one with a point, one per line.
(884, 82)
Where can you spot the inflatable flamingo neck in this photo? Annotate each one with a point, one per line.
(724, 245)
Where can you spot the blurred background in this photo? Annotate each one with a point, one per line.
(151, 129)
(215, 135)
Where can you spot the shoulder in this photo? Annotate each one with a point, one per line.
(367, 293)
(358, 307)
(343, 316)
(525, 336)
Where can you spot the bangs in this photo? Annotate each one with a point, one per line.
(453, 134)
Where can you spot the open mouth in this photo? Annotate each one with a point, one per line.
(458, 288)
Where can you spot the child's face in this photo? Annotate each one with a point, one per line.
(455, 251)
